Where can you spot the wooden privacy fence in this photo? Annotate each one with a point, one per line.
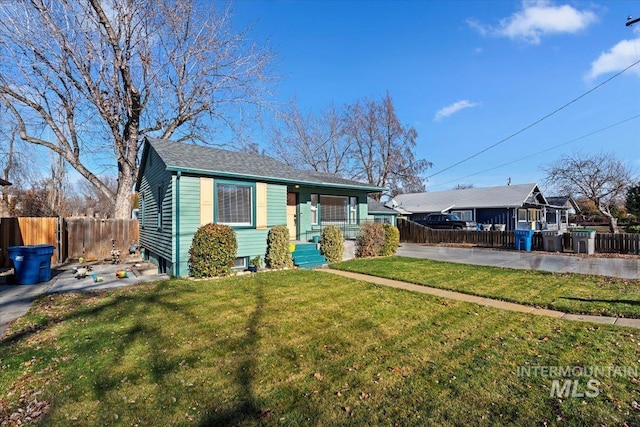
(411, 232)
(72, 237)
(27, 231)
(92, 238)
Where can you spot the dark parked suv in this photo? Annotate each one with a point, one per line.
(446, 221)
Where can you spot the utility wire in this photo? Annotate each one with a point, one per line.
(540, 152)
(536, 122)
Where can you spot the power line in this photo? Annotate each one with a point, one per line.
(541, 152)
(536, 122)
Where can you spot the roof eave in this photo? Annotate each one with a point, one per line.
(369, 189)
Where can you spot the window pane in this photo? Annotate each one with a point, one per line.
(353, 204)
(160, 196)
(463, 215)
(234, 204)
(334, 208)
(314, 209)
(522, 214)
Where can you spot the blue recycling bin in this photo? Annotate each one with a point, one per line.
(524, 239)
(31, 264)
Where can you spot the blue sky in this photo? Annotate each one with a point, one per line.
(467, 74)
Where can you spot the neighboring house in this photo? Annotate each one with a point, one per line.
(4, 183)
(184, 186)
(560, 209)
(520, 206)
(380, 213)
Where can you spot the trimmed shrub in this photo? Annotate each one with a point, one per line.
(391, 240)
(332, 243)
(213, 251)
(278, 255)
(370, 240)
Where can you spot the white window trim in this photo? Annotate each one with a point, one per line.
(251, 205)
(314, 210)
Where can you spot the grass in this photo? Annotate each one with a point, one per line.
(302, 348)
(571, 293)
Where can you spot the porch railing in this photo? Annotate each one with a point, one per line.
(349, 230)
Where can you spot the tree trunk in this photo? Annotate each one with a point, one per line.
(122, 209)
(613, 224)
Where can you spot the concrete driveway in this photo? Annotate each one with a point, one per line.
(15, 300)
(625, 268)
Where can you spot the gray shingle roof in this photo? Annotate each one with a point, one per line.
(510, 196)
(209, 160)
(3, 182)
(374, 206)
(562, 202)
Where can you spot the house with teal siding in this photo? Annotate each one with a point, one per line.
(184, 186)
(378, 212)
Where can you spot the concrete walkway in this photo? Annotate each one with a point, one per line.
(624, 268)
(488, 302)
(15, 300)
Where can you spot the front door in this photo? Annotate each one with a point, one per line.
(292, 218)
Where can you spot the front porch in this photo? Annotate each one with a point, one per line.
(349, 230)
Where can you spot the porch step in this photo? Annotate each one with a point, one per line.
(306, 255)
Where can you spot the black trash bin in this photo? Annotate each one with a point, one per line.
(31, 264)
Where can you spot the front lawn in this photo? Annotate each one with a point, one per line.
(571, 293)
(303, 348)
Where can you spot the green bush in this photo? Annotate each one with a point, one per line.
(213, 251)
(332, 243)
(632, 229)
(370, 240)
(391, 240)
(278, 254)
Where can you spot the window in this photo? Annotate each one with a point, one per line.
(234, 204)
(314, 209)
(353, 210)
(464, 215)
(160, 196)
(142, 208)
(240, 263)
(334, 208)
(522, 215)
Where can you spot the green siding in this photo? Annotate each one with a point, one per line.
(157, 241)
(251, 242)
(189, 218)
(382, 217)
(162, 244)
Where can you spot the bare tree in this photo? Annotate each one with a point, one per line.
(313, 141)
(90, 78)
(93, 201)
(16, 159)
(600, 178)
(382, 148)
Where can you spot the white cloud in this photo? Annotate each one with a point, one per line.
(536, 19)
(616, 59)
(453, 108)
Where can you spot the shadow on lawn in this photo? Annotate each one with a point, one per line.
(612, 301)
(151, 297)
(247, 408)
